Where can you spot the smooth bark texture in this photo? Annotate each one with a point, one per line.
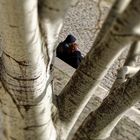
(80, 88)
(133, 54)
(99, 124)
(129, 69)
(130, 66)
(51, 15)
(117, 8)
(26, 96)
(26, 93)
(29, 30)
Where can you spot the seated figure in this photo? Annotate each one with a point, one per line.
(68, 51)
(74, 55)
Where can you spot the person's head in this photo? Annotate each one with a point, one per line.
(70, 39)
(73, 47)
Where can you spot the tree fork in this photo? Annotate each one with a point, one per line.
(74, 96)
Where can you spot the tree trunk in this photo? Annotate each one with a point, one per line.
(99, 124)
(130, 66)
(26, 92)
(117, 8)
(80, 88)
(29, 30)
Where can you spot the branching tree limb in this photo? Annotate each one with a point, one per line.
(99, 124)
(75, 95)
(26, 93)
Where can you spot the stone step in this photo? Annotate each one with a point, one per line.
(67, 69)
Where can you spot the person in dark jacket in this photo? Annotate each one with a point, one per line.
(68, 51)
(74, 57)
(62, 49)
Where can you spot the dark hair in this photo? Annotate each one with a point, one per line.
(70, 39)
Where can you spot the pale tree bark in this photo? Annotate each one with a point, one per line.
(26, 91)
(27, 55)
(51, 15)
(107, 113)
(23, 69)
(131, 64)
(98, 124)
(80, 88)
(132, 69)
(117, 8)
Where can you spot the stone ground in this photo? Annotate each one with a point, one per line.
(84, 20)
